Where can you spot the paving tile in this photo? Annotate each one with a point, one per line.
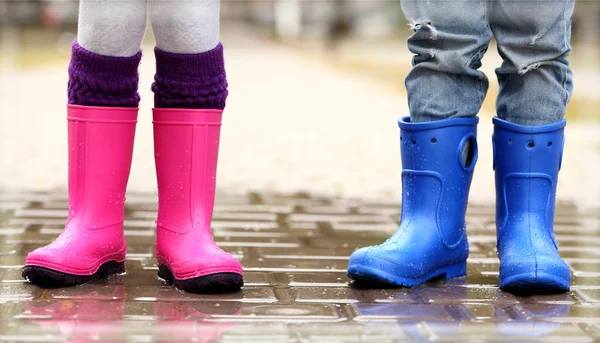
(589, 268)
(350, 295)
(465, 295)
(338, 279)
(14, 292)
(589, 295)
(292, 264)
(12, 275)
(285, 313)
(166, 293)
(346, 332)
(584, 280)
(559, 313)
(397, 311)
(507, 332)
(487, 312)
(340, 218)
(68, 309)
(244, 332)
(11, 310)
(256, 279)
(88, 292)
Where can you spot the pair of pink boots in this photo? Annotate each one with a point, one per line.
(92, 245)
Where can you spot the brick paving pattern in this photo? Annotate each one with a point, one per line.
(294, 250)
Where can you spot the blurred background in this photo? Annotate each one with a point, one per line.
(315, 90)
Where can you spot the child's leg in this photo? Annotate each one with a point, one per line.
(449, 41)
(105, 58)
(535, 87)
(102, 112)
(534, 41)
(185, 26)
(190, 70)
(438, 147)
(190, 91)
(112, 27)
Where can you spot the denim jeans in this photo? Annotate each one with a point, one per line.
(450, 38)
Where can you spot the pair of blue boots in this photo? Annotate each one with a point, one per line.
(438, 159)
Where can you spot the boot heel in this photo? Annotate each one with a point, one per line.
(457, 270)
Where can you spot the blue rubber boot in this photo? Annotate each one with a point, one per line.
(438, 159)
(527, 160)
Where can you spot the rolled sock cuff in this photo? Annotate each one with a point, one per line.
(190, 80)
(98, 80)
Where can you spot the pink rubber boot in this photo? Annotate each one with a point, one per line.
(92, 244)
(186, 147)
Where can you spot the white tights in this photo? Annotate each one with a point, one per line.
(117, 27)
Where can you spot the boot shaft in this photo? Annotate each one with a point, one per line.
(438, 159)
(186, 146)
(526, 161)
(100, 151)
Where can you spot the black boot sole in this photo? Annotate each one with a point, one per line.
(208, 284)
(50, 278)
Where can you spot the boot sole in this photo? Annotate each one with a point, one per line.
(207, 284)
(534, 283)
(50, 278)
(368, 276)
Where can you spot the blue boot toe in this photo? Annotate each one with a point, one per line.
(358, 256)
(537, 274)
(398, 265)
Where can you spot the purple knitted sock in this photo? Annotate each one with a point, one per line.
(190, 80)
(97, 80)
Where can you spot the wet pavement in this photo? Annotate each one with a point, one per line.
(294, 250)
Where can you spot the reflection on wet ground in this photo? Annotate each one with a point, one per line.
(294, 249)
